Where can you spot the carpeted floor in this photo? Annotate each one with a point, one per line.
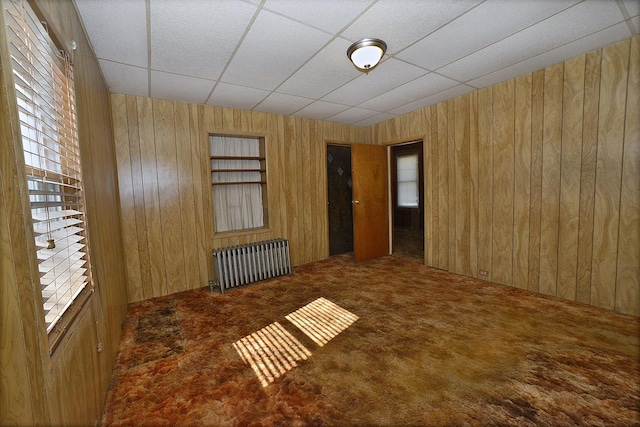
(387, 342)
(409, 243)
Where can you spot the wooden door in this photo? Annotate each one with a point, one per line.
(370, 201)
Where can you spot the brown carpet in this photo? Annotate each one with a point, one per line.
(409, 243)
(387, 342)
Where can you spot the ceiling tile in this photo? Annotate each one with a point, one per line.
(324, 73)
(289, 56)
(320, 110)
(602, 38)
(328, 15)
(281, 103)
(469, 32)
(180, 88)
(375, 119)
(117, 34)
(234, 96)
(122, 78)
(433, 99)
(401, 24)
(273, 49)
(197, 40)
(353, 115)
(408, 92)
(632, 7)
(384, 77)
(576, 22)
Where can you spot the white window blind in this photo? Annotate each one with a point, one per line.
(238, 178)
(43, 80)
(407, 167)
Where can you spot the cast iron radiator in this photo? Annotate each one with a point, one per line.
(239, 265)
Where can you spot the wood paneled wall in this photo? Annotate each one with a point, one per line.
(68, 388)
(535, 182)
(165, 190)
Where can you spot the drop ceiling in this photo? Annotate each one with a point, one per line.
(289, 56)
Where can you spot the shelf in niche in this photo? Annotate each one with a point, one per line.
(238, 170)
(237, 157)
(239, 183)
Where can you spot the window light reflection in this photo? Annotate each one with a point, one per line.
(321, 320)
(271, 352)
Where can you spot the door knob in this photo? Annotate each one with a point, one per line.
(355, 202)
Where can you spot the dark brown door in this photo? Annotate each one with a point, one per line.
(370, 201)
(339, 186)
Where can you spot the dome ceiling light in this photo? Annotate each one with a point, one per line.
(366, 53)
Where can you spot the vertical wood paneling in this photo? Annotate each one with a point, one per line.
(535, 216)
(153, 222)
(127, 199)
(473, 184)
(172, 140)
(16, 408)
(628, 277)
(443, 187)
(169, 195)
(451, 161)
(199, 163)
(462, 192)
(551, 149)
(304, 163)
(588, 175)
(572, 113)
(146, 285)
(611, 118)
(293, 179)
(279, 147)
(316, 210)
(207, 121)
(187, 212)
(435, 187)
(548, 197)
(503, 151)
(427, 156)
(79, 353)
(522, 181)
(485, 181)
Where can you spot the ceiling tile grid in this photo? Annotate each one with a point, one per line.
(289, 56)
(175, 48)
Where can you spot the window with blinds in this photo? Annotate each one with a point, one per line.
(43, 80)
(407, 169)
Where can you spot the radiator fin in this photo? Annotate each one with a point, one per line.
(239, 265)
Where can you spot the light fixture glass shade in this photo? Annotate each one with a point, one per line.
(366, 53)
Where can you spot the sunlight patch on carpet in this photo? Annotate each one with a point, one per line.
(321, 320)
(271, 352)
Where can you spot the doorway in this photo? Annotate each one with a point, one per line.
(340, 194)
(358, 200)
(407, 197)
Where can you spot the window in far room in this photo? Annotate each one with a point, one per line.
(239, 182)
(408, 184)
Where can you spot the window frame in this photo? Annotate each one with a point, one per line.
(45, 96)
(263, 182)
(416, 181)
